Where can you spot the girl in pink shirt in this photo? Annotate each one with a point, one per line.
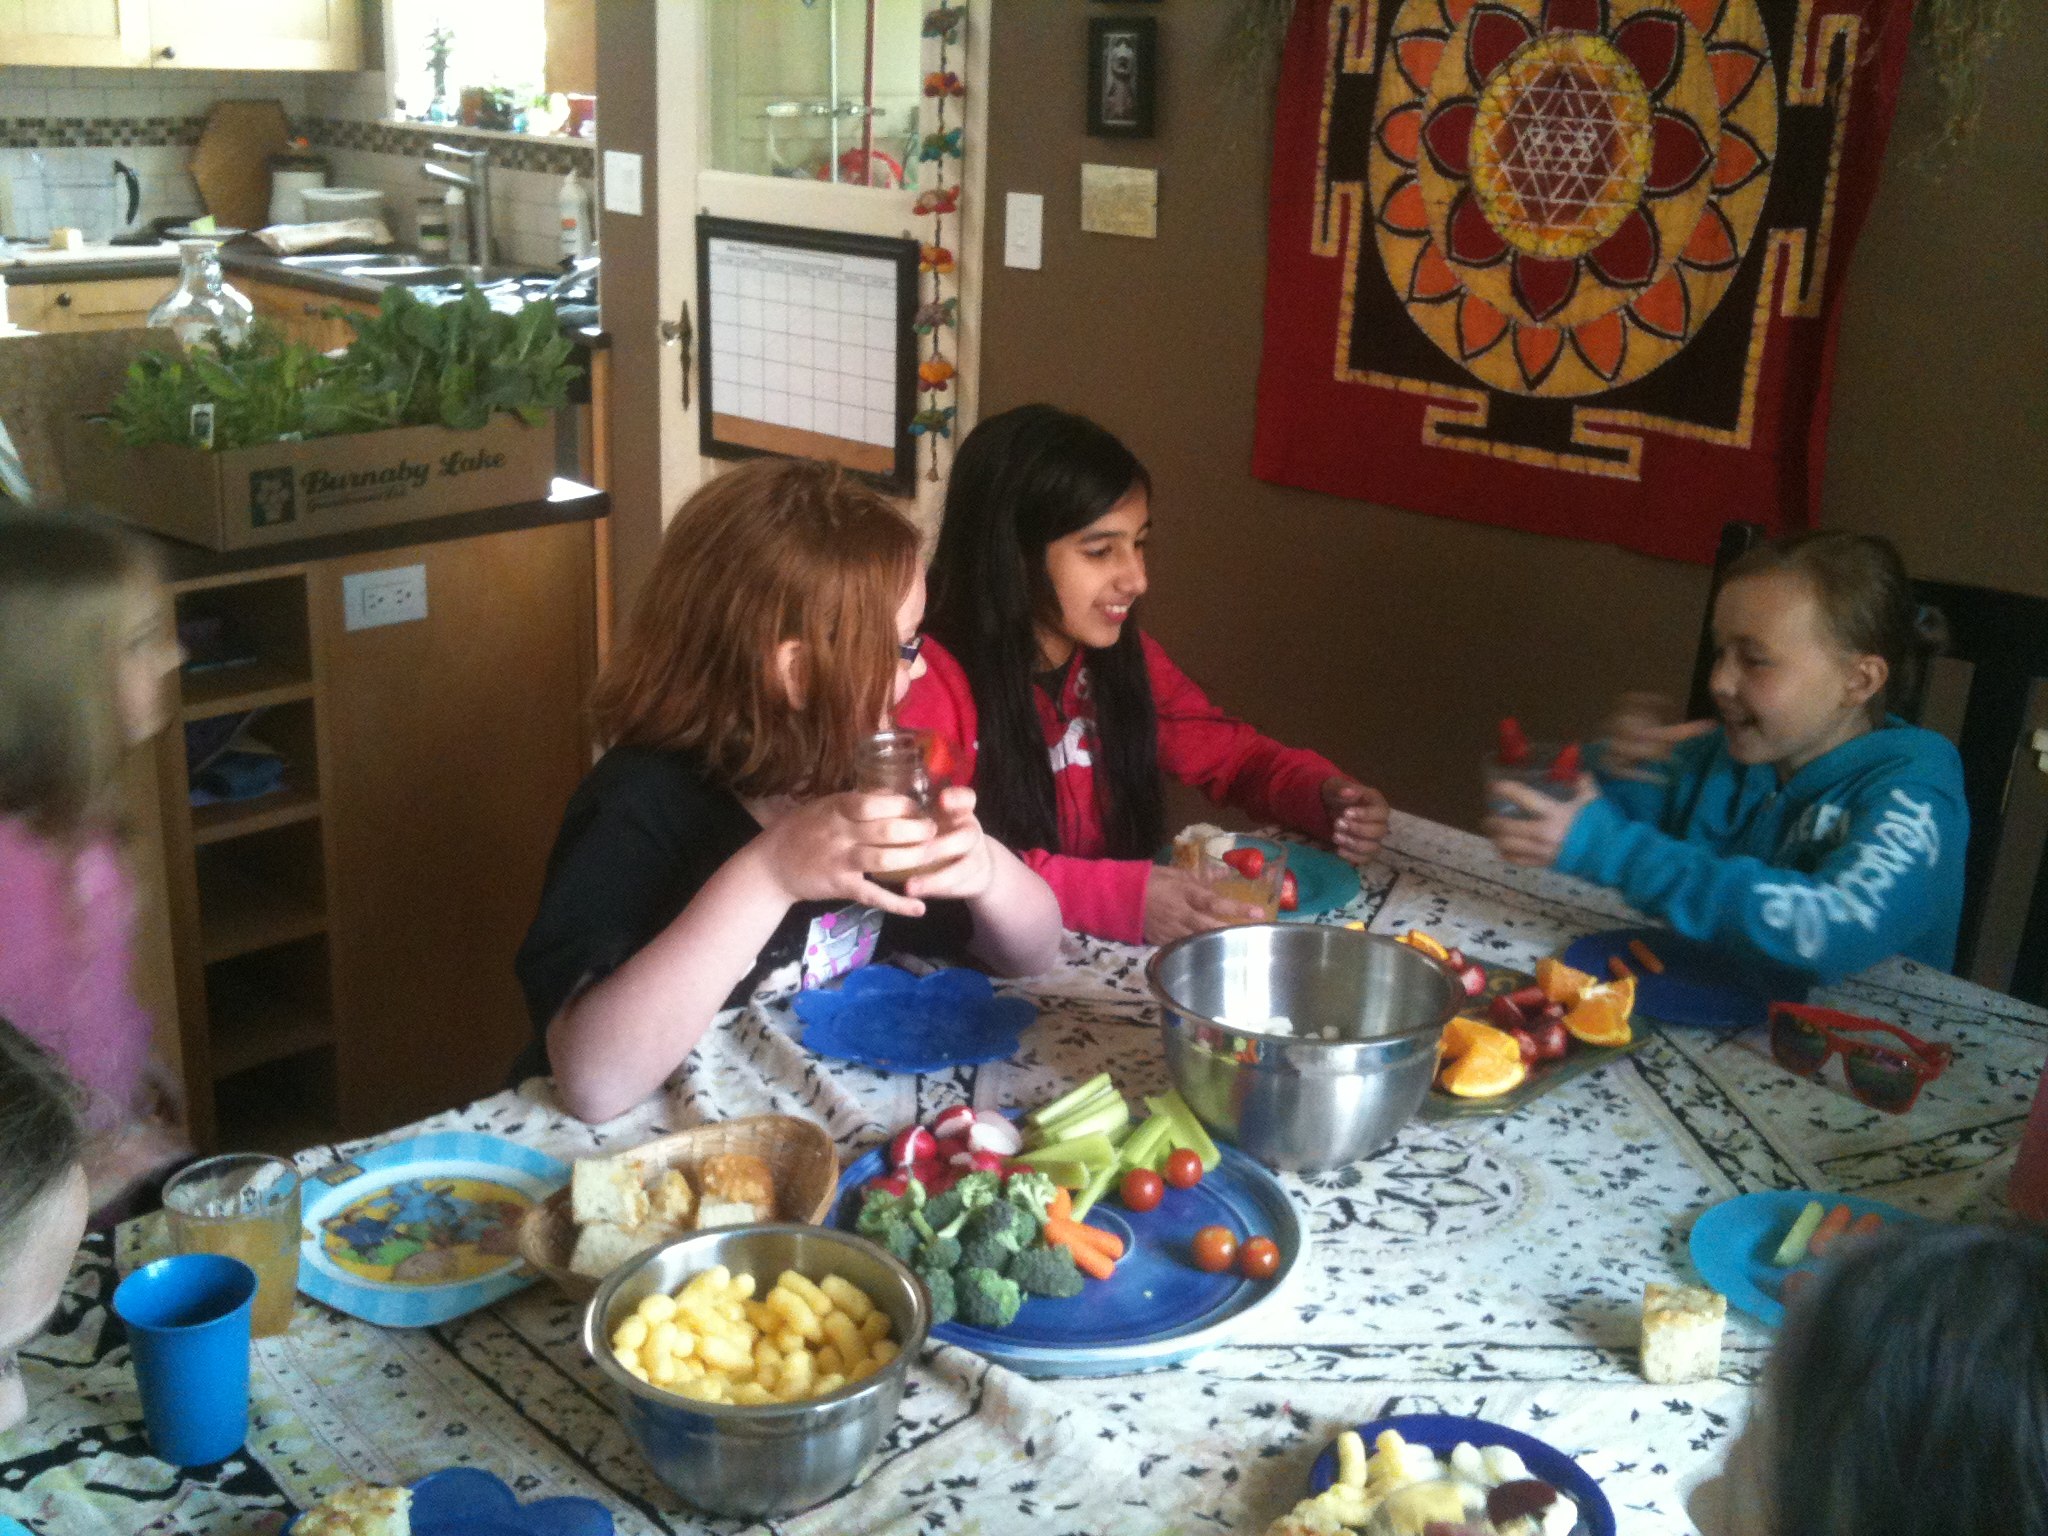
(85, 649)
(1065, 713)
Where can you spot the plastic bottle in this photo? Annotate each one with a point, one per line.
(573, 203)
(457, 203)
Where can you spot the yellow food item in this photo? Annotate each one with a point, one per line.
(1600, 1016)
(360, 1509)
(1479, 1061)
(1410, 1511)
(1415, 938)
(1560, 982)
(711, 1341)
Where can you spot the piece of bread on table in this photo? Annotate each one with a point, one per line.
(607, 1189)
(1682, 1333)
(1192, 842)
(602, 1246)
(360, 1509)
(671, 1199)
(733, 1189)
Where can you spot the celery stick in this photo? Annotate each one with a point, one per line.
(1095, 1103)
(1069, 1173)
(1111, 1115)
(1095, 1086)
(1187, 1128)
(1095, 1151)
(1097, 1188)
(1793, 1249)
(1144, 1143)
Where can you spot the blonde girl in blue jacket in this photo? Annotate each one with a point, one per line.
(1807, 826)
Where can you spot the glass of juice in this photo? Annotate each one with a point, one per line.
(244, 1205)
(1261, 890)
(899, 763)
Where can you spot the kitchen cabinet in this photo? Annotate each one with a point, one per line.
(342, 947)
(102, 304)
(183, 34)
(300, 314)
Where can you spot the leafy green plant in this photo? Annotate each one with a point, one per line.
(258, 389)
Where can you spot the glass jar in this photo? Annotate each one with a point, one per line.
(203, 303)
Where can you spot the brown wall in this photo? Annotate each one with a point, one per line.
(1391, 640)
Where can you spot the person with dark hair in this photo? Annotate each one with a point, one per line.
(1809, 827)
(43, 1200)
(1907, 1396)
(1065, 713)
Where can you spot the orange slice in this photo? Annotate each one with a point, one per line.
(1600, 1017)
(1415, 938)
(1484, 1074)
(1560, 983)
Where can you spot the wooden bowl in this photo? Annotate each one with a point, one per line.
(798, 1153)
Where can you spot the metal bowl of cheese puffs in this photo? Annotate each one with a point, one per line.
(757, 1367)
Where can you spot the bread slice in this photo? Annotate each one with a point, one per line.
(1682, 1333)
(1194, 841)
(607, 1189)
(360, 1509)
(671, 1198)
(602, 1246)
(734, 1189)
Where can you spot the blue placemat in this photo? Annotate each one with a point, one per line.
(884, 1017)
(1701, 987)
(1733, 1243)
(1441, 1432)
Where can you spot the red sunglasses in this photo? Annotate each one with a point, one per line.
(1886, 1078)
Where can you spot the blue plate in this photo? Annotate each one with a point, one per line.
(884, 1017)
(423, 1230)
(1323, 882)
(1700, 986)
(468, 1501)
(1157, 1309)
(1441, 1432)
(1732, 1244)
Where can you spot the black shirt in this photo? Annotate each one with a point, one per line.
(643, 833)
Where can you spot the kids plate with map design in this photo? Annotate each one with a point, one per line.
(422, 1230)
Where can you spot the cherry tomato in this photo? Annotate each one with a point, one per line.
(1215, 1249)
(1249, 862)
(1184, 1169)
(1142, 1189)
(1258, 1258)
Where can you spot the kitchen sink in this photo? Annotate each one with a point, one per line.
(395, 267)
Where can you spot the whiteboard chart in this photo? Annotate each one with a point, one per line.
(808, 349)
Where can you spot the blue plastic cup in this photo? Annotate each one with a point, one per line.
(188, 1334)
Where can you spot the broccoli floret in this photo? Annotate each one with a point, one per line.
(940, 1284)
(1046, 1272)
(943, 1215)
(881, 1207)
(985, 1253)
(979, 1188)
(899, 1237)
(1031, 1192)
(939, 1252)
(1000, 1223)
(985, 1298)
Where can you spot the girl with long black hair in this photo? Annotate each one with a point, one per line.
(1066, 713)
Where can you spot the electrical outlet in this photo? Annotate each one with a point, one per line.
(396, 596)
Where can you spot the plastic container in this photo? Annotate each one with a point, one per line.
(573, 204)
(324, 204)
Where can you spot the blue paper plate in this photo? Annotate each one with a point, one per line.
(468, 1501)
(1700, 986)
(423, 1230)
(1323, 882)
(1732, 1244)
(884, 1017)
(1157, 1309)
(1441, 1432)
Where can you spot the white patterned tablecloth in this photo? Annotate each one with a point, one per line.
(1492, 1267)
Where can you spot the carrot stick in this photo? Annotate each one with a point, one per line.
(1832, 1226)
(1061, 1206)
(1618, 968)
(1088, 1260)
(1865, 1225)
(1060, 1230)
(1646, 957)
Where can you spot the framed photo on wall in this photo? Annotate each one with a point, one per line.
(808, 347)
(1123, 76)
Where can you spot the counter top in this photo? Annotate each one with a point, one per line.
(568, 501)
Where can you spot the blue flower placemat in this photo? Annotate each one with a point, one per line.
(884, 1017)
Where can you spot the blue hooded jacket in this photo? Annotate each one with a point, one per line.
(1857, 857)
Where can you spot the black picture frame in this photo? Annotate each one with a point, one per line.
(747, 438)
(1123, 76)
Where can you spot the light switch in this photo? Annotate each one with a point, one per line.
(1024, 230)
(621, 182)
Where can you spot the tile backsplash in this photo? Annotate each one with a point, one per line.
(61, 130)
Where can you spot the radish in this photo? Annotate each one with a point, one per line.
(950, 1147)
(953, 1122)
(995, 1135)
(913, 1144)
(980, 1162)
(894, 1184)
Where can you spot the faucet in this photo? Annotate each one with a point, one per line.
(478, 203)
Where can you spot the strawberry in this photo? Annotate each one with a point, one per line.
(1473, 980)
(1290, 893)
(1565, 770)
(1526, 1044)
(1249, 862)
(1531, 1000)
(942, 760)
(1503, 1014)
(1514, 746)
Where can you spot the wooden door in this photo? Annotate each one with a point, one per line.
(77, 33)
(450, 747)
(278, 34)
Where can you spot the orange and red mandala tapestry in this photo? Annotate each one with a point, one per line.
(1573, 266)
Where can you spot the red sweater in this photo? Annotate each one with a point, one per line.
(1198, 744)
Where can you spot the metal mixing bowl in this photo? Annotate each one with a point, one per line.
(779, 1457)
(1367, 1013)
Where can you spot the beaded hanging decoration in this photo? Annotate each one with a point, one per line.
(938, 311)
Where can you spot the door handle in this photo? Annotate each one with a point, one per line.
(679, 330)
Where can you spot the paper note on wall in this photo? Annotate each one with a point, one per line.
(1120, 200)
